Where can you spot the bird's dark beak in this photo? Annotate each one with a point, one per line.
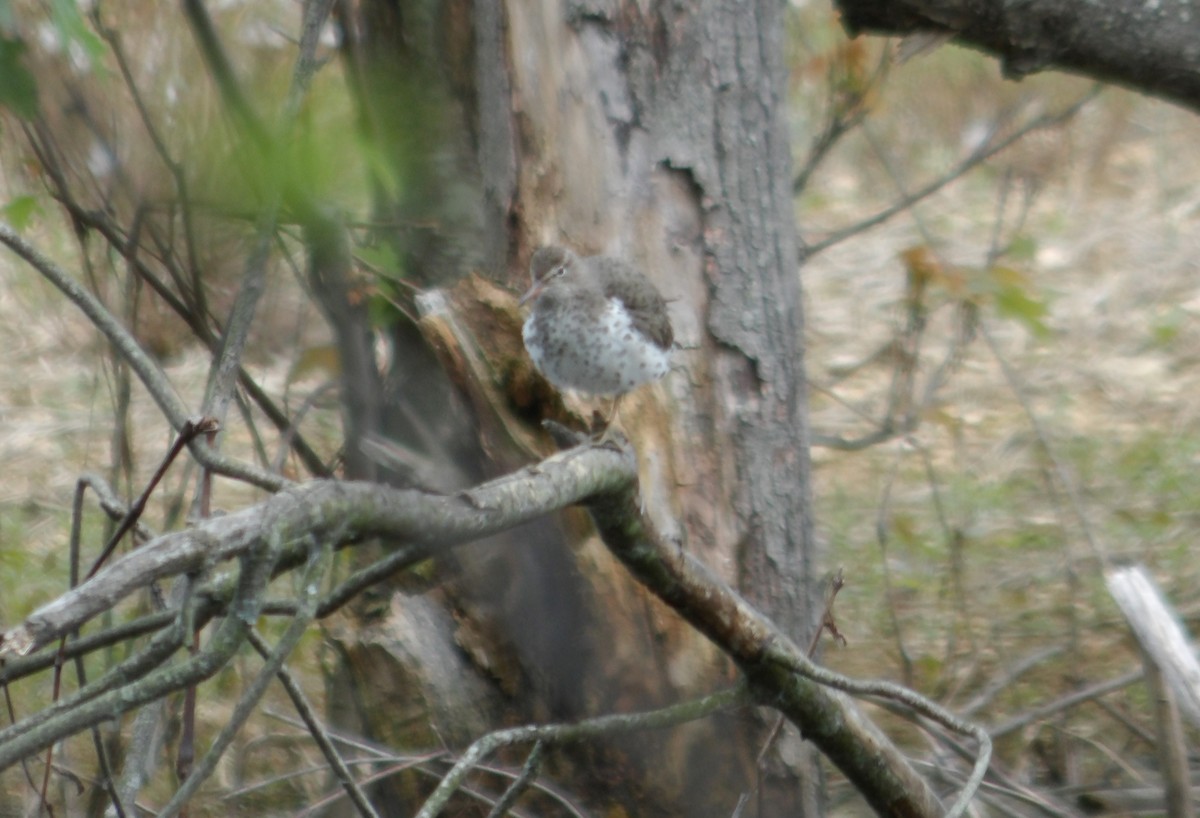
(532, 293)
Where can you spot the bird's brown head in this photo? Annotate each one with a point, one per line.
(547, 263)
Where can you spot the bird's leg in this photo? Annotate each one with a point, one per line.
(599, 424)
(610, 427)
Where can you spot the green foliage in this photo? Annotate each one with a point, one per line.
(1015, 299)
(21, 210)
(382, 257)
(1167, 326)
(382, 310)
(1022, 248)
(315, 156)
(73, 30)
(384, 297)
(1002, 286)
(18, 89)
(18, 86)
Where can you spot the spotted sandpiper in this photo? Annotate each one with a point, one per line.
(597, 325)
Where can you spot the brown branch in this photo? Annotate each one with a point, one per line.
(591, 728)
(1148, 47)
(778, 669)
(318, 732)
(343, 513)
(352, 511)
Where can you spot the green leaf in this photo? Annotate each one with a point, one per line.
(19, 211)
(1167, 327)
(18, 89)
(382, 257)
(382, 311)
(72, 28)
(1015, 297)
(1013, 301)
(1022, 248)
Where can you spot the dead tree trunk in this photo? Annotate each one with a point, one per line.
(655, 132)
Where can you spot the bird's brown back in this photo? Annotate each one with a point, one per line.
(641, 298)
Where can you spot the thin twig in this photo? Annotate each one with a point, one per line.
(130, 520)
(977, 157)
(320, 558)
(1012, 672)
(192, 429)
(882, 521)
(174, 168)
(1065, 703)
(147, 370)
(529, 773)
(21, 667)
(1060, 470)
(909, 698)
(1007, 788)
(842, 116)
(317, 730)
(590, 728)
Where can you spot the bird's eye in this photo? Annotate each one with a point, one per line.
(559, 270)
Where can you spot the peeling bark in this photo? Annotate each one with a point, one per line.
(655, 132)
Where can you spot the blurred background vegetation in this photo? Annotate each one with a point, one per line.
(1051, 290)
(1066, 427)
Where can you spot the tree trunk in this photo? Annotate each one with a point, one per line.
(655, 132)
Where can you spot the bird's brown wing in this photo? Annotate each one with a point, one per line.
(639, 295)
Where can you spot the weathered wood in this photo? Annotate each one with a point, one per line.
(655, 132)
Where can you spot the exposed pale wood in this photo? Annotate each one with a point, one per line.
(655, 132)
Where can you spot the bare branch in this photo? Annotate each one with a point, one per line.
(317, 730)
(1149, 48)
(319, 559)
(774, 663)
(977, 157)
(151, 376)
(1159, 633)
(348, 511)
(1065, 703)
(269, 535)
(114, 693)
(590, 728)
(1011, 673)
(529, 774)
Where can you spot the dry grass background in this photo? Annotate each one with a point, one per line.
(57, 396)
(1003, 568)
(963, 552)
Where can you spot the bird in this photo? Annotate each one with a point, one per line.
(597, 325)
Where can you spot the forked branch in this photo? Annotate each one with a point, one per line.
(285, 532)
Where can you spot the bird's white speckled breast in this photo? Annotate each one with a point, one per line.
(599, 354)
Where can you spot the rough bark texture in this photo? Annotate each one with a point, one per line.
(673, 153)
(1153, 47)
(440, 698)
(655, 132)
